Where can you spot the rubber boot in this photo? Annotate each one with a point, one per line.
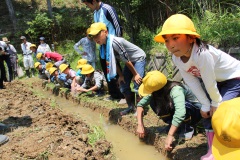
(209, 155)
(33, 72)
(28, 73)
(131, 105)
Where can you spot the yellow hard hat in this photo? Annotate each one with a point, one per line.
(62, 67)
(177, 24)
(52, 70)
(81, 62)
(39, 55)
(33, 45)
(87, 69)
(152, 82)
(36, 64)
(48, 65)
(95, 28)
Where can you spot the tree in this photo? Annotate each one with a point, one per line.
(49, 5)
(12, 14)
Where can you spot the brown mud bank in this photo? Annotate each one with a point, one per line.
(38, 130)
(183, 150)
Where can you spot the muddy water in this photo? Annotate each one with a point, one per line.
(126, 146)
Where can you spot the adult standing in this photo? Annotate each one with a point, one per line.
(89, 49)
(27, 56)
(108, 15)
(6, 58)
(11, 59)
(43, 47)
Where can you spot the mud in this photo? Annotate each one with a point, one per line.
(42, 130)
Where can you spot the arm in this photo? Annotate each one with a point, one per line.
(178, 97)
(145, 101)
(76, 47)
(137, 77)
(98, 77)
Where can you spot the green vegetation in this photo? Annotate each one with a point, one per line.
(97, 133)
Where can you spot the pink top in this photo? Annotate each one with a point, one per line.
(54, 56)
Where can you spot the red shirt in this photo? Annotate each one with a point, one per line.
(54, 56)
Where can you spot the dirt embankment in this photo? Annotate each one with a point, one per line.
(183, 150)
(39, 131)
(68, 132)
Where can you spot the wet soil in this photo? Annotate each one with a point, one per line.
(41, 130)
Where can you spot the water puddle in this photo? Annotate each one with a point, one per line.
(126, 146)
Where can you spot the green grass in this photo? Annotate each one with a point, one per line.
(97, 133)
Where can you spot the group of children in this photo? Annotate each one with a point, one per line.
(210, 77)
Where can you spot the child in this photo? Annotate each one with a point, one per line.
(43, 73)
(80, 77)
(132, 56)
(198, 62)
(89, 49)
(93, 80)
(173, 102)
(70, 75)
(51, 56)
(27, 56)
(226, 142)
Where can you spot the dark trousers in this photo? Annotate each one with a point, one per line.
(7, 59)
(2, 70)
(113, 88)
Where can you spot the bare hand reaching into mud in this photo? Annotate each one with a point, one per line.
(138, 79)
(140, 131)
(168, 143)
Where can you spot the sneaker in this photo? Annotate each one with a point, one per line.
(108, 99)
(3, 139)
(186, 133)
(122, 101)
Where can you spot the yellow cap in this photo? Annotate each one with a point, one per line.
(48, 65)
(95, 28)
(62, 67)
(81, 62)
(33, 45)
(87, 69)
(177, 24)
(39, 55)
(152, 82)
(36, 64)
(52, 70)
(226, 126)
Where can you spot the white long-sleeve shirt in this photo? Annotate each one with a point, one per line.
(212, 66)
(89, 47)
(43, 48)
(26, 48)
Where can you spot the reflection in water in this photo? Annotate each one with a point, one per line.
(126, 146)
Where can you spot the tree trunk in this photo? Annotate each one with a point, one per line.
(49, 5)
(12, 14)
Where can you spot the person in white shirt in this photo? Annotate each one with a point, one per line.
(43, 47)
(27, 57)
(89, 49)
(211, 74)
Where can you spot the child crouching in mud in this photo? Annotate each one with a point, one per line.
(172, 101)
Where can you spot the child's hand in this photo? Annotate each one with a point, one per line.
(140, 131)
(138, 79)
(205, 114)
(168, 142)
(212, 110)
